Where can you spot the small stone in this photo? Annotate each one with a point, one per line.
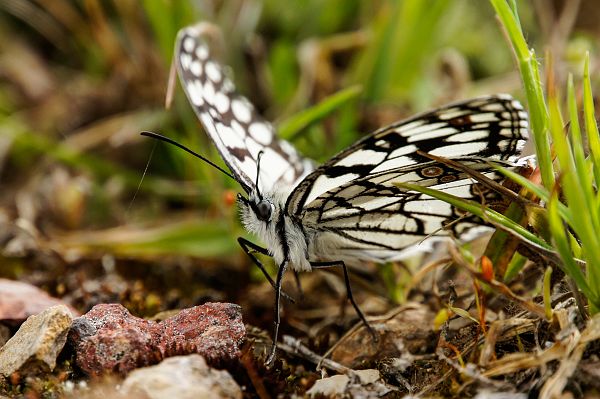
(329, 386)
(214, 330)
(19, 300)
(37, 343)
(108, 339)
(181, 377)
(362, 384)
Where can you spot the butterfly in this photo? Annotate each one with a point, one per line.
(348, 209)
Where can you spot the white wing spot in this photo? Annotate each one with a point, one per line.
(468, 136)
(362, 157)
(287, 148)
(324, 183)
(209, 92)
(261, 132)
(394, 163)
(213, 72)
(487, 117)
(196, 68)
(194, 90)
(202, 51)
(208, 124)
(230, 137)
(431, 134)
(228, 85)
(419, 127)
(254, 148)
(188, 44)
(238, 129)
(222, 102)
(376, 202)
(457, 150)
(452, 113)
(405, 150)
(185, 61)
(241, 111)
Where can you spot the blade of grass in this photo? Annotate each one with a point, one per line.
(533, 88)
(480, 211)
(34, 144)
(539, 191)
(198, 238)
(592, 252)
(293, 126)
(562, 245)
(546, 291)
(590, 119)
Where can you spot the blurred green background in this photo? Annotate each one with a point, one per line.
(80, 79)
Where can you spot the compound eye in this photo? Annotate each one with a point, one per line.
(264, 209)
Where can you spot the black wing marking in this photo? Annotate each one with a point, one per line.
(231, 121)
(491, 127)
(371, 215)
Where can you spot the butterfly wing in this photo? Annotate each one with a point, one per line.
(231, 121)
(352, 199)
(372, 218)
(490, 127)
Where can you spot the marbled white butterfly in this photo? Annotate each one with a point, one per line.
(346, 210)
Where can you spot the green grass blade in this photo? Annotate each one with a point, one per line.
(480, 211)
(293, 126)
(590, 120)
(538, 111)
(578, 147)
(562, 245)
(540, 191)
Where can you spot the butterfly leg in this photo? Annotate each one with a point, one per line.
(277, 318)
(249, 248)
(299, 285)
(322, 265)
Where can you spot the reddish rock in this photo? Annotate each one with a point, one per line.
(19, 300)
(214, 330)
(109, 339)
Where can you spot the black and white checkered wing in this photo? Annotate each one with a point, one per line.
(232, 122)
(491, 127)
(353, 198)
(372, 218)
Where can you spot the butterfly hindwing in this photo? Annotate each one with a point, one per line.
(231, 121)
(372, 214)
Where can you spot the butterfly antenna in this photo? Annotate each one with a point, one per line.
(260, 154)
(171, 141)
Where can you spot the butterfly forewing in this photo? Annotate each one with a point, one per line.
(232, 122)
(491, 127)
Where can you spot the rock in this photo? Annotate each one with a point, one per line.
(109, 339)
(181, 377)
(19, 300)
(38, 342)
(363, 384)
(214, 332)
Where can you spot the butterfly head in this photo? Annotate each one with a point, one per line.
(262, 207)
